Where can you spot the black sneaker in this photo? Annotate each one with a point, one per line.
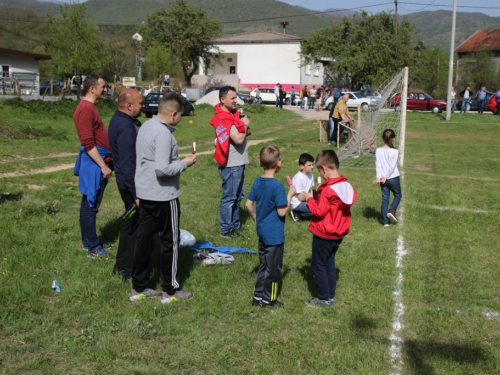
(256, 302)
(295, 217)
(272, 304)
(232, 233)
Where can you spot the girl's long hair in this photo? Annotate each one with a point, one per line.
(387, 136)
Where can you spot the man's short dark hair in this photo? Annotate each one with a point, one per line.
(224, 90)
(170, 102)
(90, 81)
(305, 157)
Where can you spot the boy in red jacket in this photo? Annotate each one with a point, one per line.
(329, 225)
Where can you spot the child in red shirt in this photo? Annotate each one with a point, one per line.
(329, 225)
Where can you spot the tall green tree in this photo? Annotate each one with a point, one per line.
(160, 59)
(430, 73)
(74, 43)
(187, 32)
(364, 47)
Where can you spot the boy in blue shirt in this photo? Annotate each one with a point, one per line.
(271, 209)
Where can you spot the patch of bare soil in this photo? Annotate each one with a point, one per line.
(252, 142)
(31, 157)
(62, 167)
(36, 187)
(55, 168)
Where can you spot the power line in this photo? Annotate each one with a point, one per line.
(448, 5)
(421, 9)
(307, 14)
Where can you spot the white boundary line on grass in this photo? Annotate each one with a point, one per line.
(395, 339)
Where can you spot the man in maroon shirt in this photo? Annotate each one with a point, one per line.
(92, 164)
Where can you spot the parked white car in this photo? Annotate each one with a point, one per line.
(267, 95)
(355, 99)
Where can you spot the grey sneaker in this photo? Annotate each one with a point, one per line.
(176, 297)
(316, 302)
(146, 293)
(332, 301)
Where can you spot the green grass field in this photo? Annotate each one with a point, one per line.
(447, 282)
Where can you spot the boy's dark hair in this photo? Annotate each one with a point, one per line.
(224, 90)
(328, 158)
(269, 156)
(90, 80)
(387, 137)
(305, 157)
(170, 102)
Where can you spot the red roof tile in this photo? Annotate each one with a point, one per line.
(488, 39)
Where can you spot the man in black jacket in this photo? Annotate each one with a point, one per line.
(122, 134)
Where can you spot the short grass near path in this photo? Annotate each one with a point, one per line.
(450, 285)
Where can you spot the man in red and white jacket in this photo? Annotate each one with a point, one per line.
(231, 153)
(329, 225)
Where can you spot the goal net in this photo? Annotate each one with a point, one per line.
(387, 111)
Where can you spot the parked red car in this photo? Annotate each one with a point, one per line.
(419, 101)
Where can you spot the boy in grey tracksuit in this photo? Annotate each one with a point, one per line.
(157, 176)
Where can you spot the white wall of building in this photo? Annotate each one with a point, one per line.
(19, 64)
(264, 64)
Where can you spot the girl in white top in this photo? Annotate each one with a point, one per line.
(386, 163)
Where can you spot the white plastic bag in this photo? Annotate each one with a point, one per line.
(187, 239)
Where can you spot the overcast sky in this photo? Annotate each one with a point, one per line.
(489, 7)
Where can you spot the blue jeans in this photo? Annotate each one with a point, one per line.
(88, 216)
(465, 103)
(277, 102)
(480, 106)
(452, 105)
(394, 186)
(233, 191)
(303, 211)
(330, 131)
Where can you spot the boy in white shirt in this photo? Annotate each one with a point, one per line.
(303, 182)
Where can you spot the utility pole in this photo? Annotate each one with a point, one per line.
(450, 68)
(396, 15)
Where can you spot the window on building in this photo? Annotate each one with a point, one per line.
(308, 70)
(5, 70)
(232, 70)
(316, 71)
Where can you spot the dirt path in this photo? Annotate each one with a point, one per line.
(62, 167)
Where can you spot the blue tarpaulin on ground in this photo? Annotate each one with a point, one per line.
(205, 245)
